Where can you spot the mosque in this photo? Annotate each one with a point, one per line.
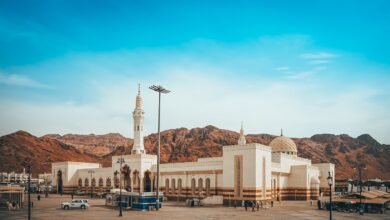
(244, 172)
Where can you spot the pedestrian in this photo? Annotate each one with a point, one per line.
(192, 202)
(272, 203)
(261, 204)
(9, 206)
(311, 202)
(319, 204)
(72, 195)
(39, 197)
(253, 205)
(246, 205)
(257, 205)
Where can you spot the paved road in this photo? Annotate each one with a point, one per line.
(49, 208)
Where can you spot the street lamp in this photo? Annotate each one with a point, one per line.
(120, 161)
(91, 172)
(330, 183)
(160, 90)
(28, 165)
(360, 167)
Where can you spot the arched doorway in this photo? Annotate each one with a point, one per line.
(173, 186)
(116, 179)
(167, 186)
(193, 186)
(80, 182)
(200, 187)
(208, 187)
(59, 182)
(108, 182)
(126, 172)
(147, 182)
(179, 186)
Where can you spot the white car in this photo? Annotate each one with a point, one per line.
(76, 203)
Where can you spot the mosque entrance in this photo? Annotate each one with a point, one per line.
(59, 182)
(147, 182)
(127, 180)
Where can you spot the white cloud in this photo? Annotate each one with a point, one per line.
(282, 68)
(320, 55)
(319, 62)
(20, 80)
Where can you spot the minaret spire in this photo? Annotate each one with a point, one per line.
(242, 139)
(138, 116)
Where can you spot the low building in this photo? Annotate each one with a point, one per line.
(10, 194)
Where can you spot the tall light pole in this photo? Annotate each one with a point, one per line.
(28, 164)
(330, 182)
(120, 161)
(360, 167)
(91, 172)
(160, 90)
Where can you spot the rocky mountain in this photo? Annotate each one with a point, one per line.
(182, 144)
(19, 148)
(98, 145)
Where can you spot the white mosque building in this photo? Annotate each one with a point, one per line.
(244, 172)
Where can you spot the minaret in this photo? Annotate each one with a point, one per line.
(138, 116)
(242, 139)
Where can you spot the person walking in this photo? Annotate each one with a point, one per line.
(253, 205)
(319, 204)
(246, 205)
(72, 195)
(39, 197)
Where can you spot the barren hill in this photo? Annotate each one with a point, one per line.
(20, 147)
(98, 145)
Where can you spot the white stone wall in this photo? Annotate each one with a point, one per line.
(69, 170)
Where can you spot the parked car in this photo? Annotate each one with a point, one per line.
(79, 193)
(76, 203)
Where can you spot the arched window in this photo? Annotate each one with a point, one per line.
(193, 186)
(100, 182)
(173, 186)
(200, 186)
(93, 182)
(80, 182)
(86, 182)
(179, 186)
(208, 187)
(108, 182)
(135, 178)
(167, 186)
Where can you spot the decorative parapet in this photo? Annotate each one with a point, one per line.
(251, 146)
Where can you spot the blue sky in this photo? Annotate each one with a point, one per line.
(307, 66)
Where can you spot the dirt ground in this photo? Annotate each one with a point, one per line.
(50, 208)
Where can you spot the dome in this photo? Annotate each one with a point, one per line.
(283, 144)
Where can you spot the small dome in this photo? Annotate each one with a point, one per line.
(283, 144)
